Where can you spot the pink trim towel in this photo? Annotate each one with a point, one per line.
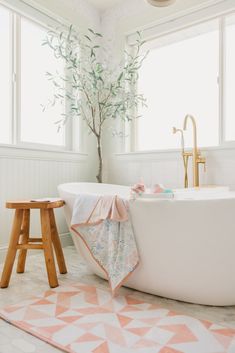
(104, 225)
(109, 207)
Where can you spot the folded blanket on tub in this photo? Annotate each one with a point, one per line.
(104, 225)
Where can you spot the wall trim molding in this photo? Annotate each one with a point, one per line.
(65, 238)
(19, 152)
(30, 6)
(182, 18)
(171, 154)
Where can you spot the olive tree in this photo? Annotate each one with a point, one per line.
(94, 92)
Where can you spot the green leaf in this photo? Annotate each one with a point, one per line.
(91, 30)
(120, 76)
(87, 37)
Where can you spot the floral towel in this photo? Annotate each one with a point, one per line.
(103, 223)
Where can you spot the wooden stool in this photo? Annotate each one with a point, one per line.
(21, 240)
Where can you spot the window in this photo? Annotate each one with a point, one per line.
(188, 71)
(24, 87)
(36, 125)
(180, 77)
(5, 75)
(229, 107)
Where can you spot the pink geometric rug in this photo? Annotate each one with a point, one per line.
(84, 319)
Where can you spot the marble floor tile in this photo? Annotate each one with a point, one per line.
(34, 281)
(23, 345)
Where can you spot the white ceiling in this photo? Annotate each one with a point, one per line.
(104, 4)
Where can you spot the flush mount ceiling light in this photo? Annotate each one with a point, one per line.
(160, 3)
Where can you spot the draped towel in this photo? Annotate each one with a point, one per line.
(104, 225)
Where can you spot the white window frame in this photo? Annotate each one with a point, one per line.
(19, 10)
(219, 10)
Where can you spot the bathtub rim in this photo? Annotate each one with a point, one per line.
(207, 196)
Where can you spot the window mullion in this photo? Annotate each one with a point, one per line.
(222, 61)
(16, 79)
(131, 127)
(12, 75)
(69, 126)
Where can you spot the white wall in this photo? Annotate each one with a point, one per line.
(26, 174)
(162, 167)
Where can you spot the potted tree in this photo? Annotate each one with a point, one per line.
(95, 93)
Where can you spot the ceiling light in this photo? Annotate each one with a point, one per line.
(160, 3)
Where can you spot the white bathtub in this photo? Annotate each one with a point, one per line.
(186, 245)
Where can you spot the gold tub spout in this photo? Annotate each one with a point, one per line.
(197, 158)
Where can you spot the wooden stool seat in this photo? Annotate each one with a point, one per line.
(34, 204)
(21, 240)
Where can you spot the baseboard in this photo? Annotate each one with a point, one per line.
(65, 238)
(3, 250)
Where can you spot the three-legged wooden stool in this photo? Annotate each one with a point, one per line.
(21, 240)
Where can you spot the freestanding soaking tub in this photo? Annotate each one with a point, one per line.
(186, 244)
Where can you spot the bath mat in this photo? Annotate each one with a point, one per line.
(84, 319)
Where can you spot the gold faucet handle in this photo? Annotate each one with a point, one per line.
(204, 166)
(202, 160)
(187, 154)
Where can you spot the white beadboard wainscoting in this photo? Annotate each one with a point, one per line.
(166, 167)
(27, 174)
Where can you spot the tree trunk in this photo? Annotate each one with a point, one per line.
(99, 176)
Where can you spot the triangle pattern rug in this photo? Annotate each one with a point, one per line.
(81, 318)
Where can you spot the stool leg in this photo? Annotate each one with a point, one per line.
(56, 243)
(24, 240)
(48, 249)
(11, 253)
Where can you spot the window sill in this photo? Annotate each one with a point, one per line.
(169, 154)
(34, 153)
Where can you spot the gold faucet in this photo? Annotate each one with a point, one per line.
(185, 155)
(197, 158)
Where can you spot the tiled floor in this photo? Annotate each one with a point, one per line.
(13, 340)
